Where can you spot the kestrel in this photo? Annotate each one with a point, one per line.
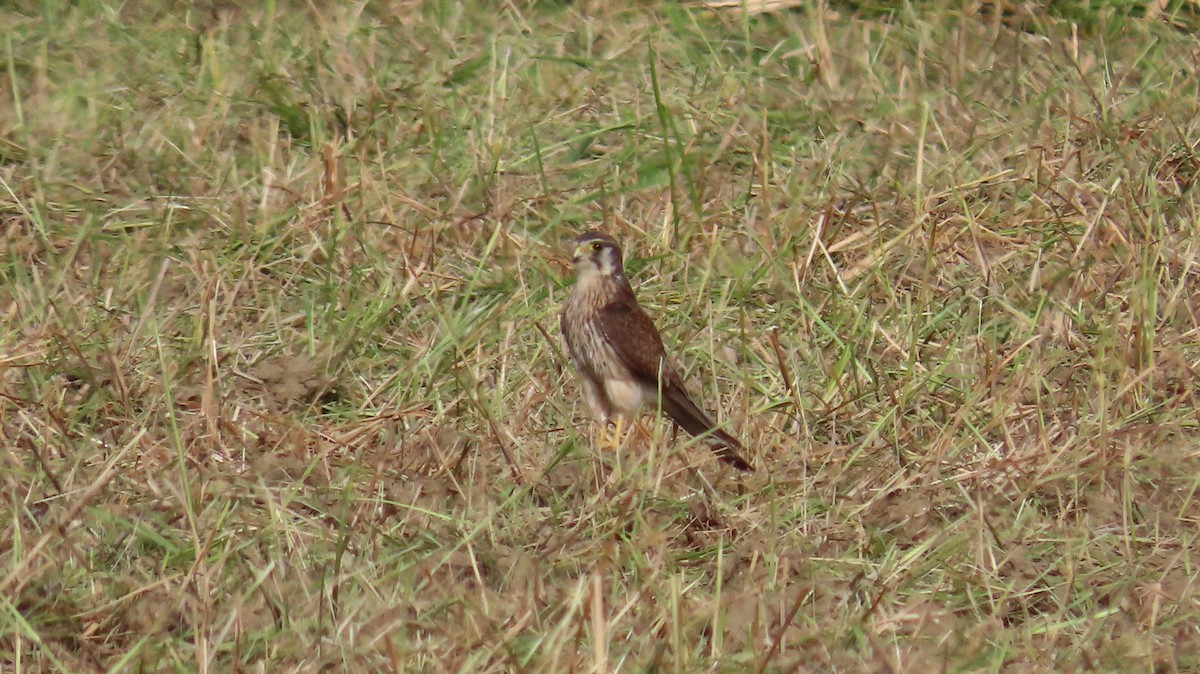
(618, 353)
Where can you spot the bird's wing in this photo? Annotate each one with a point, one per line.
(679, 407)
(632, 336)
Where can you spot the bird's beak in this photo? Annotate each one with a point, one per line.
(580, 251)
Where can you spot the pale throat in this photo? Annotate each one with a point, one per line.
(599, 282)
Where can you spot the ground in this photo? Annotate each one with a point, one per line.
(281, 387)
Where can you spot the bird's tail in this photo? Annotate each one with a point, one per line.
(681, 410)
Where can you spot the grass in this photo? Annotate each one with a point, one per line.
(281, 387)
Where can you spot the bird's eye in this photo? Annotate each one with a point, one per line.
(596, 246)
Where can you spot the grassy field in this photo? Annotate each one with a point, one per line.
(281, 385)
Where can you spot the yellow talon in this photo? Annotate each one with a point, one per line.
(611, 436)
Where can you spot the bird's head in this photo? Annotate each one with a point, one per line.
(596, 254)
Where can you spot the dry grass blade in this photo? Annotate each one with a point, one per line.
(752, 6)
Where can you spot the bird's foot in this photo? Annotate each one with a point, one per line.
(612, 437)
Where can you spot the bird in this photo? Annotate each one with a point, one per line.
(618, 354)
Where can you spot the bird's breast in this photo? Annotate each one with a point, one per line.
(590, 348)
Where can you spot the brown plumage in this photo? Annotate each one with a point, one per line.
(619, 354)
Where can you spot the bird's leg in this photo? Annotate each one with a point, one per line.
(605, 436)
(618, 431)
(612, 433)
(619, 435)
